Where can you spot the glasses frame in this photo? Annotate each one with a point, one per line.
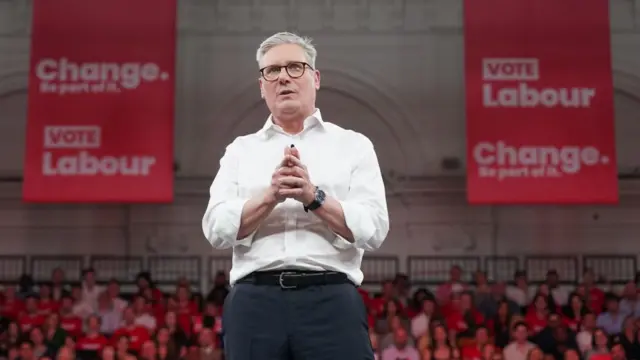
(286, 68)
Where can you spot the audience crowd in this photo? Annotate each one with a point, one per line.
(457, 320)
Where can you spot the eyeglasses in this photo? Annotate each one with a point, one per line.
(294, 70)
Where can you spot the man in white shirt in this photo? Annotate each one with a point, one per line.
(519, 348)
(299, 202)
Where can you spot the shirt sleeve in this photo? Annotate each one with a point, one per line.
(365, 208)
(221, 221)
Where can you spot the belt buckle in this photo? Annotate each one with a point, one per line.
(281, 281)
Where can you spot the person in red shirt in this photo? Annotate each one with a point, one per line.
(187, 308)
(144, 282)
(453, 286)
(46, 304)
(70, 322)
(11, 307)
(92, 342)
(462, 317)
(595, 296)
(30, 318)
(137, 334)
(388, 294)
(474, 351)
(574, 311)
(536, 318)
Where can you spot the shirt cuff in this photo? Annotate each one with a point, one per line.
(227, 224)
(360, 224)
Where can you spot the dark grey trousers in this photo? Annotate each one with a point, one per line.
(327, 322)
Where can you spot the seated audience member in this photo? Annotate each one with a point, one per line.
(40, 347)
(559, 294)
(80, 307)
(11, 306)
(489, 306)
(113, 293)
(441, 346)
(137, 334)
(627, 337)
(536, 354)
(92, 342)
(564, 340)
(519, 347)
(58, 287)
(400, 348)
(594, 295)
(571, 354)
(90, 289)
(629, 304)
(611, 319)
(70, 322)
(144, 283)
(390, 311)
(520, 293)
(54, 335)
(110, 317)
(148, 351)
(481, 288)
(387, 294)
(220, 289)
(453, 286)
(46, 303)
(387, 338)
(26, 351)
(462, 316)
(488, 352)
(177, 333)
(66, 353)
(500, 326)
(414, 307)
(207, 346)
(574, 311)
(618, 353)
(536, 318)
(545, 338)
(600, 346)
(168, 345)
(403, 288)
(30, 318)
(122, 347)
(142, 309)
(584, 338)
(474, 351)
(420, 322)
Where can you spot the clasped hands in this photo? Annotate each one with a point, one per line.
(291, 179)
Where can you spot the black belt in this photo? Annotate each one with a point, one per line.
(292, 279)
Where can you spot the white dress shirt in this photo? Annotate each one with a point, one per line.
(341, 162)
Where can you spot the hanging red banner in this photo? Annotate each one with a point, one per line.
(539, 98)
(101, 101)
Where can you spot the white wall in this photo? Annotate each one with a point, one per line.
(391, 69)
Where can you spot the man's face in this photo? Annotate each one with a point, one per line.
(304, 88)
(400, 337)
(26, 351)
(520, 333)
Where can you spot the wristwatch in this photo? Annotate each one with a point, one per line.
(317, 202)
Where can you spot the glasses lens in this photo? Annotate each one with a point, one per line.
(295, 69)
(271, 72)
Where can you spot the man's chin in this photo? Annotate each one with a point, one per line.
(288, 106)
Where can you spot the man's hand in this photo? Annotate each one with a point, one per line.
(295, 183)
(282, 171)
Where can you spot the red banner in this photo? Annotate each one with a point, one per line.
(539, 98)
(101, 101)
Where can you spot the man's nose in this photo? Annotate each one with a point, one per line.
(283, 77)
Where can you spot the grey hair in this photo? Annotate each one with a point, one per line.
(283, 38)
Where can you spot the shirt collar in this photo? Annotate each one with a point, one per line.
(269, 127)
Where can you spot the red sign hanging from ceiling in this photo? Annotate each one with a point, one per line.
(101, 101)
(539, 98)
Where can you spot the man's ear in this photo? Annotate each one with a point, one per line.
(261, 88)
(316, 78)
